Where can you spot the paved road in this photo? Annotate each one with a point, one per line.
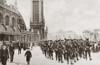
(39, 59)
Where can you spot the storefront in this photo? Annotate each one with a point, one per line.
(17, 35)
(8, 33)
(2, 32)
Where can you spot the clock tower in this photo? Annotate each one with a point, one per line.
(37, 23)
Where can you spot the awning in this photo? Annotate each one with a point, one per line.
(17, 31)
(2, 29)
(10, 30)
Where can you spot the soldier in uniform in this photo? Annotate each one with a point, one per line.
(87, 49)
(60, 53)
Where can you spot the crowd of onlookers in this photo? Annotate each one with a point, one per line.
(7, 50)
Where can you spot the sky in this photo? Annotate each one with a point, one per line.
(66, 15)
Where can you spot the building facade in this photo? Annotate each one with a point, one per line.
(37, 24)
(86, 34)
(97, 35)
(11, 23)
(92, 35)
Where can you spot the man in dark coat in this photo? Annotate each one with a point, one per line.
(19, 48)
(4, 55)
(11, 51)
(0, 50)
(28, 56)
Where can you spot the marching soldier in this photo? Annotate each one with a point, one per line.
(69, 49)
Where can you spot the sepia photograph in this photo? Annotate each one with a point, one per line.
(49, 32)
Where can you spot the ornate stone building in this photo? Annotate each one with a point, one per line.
(37, 24)
(11, 22)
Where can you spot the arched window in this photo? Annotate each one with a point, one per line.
(7, 20)
(0, 18)
(13, 22)
(17, 22)
(20, 21)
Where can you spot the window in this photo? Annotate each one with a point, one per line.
(1, 37)
(7, 20)
(20, 23)
(12, 38)
(17, 21)
(0, 18)
(35, 11)
(13, 22)
(7, 38)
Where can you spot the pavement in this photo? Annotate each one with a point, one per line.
(39, 59)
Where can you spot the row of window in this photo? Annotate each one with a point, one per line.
(7, 21)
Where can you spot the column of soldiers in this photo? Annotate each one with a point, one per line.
(70, 50)
(7, 51)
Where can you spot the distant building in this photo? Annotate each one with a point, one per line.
(11, 23)
(86, 34)
(92, 36)
(37, 23)
(62, 35)
(97, 34)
